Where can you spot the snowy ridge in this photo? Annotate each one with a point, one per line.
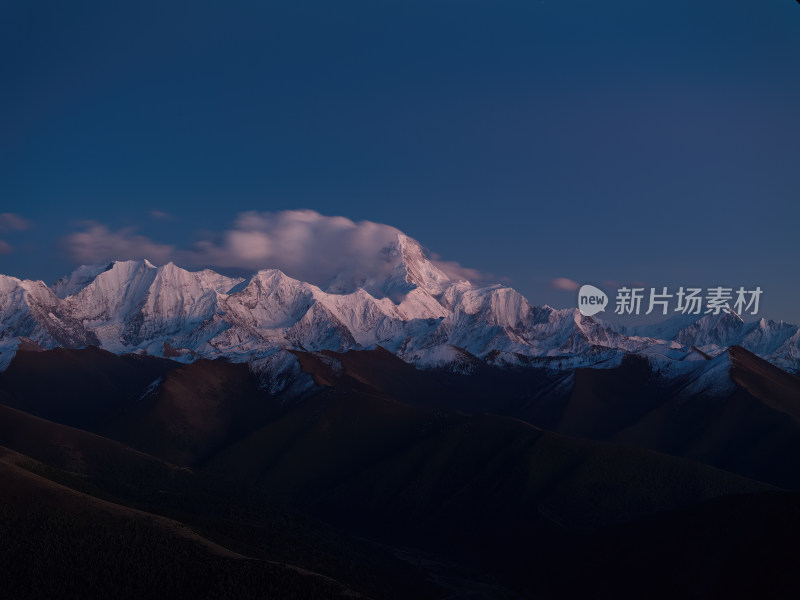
(412, 309)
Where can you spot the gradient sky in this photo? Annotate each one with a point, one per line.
(595, 141)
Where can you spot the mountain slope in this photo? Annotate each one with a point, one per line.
(444, 503)
(78, 388)
(234, 514)
(60, 543)
(735, 411)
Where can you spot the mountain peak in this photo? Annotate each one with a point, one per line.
(402, 267)
(401, 301)
(419, 270)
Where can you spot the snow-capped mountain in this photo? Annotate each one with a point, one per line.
(776, 341)
(411, 308)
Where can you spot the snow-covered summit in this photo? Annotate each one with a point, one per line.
(408, 306)
(403, 268)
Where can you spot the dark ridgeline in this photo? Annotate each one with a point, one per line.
(134, 476)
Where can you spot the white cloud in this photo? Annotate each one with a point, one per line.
(13, 222)
(302, 243)
(98, 244)
(562, 283)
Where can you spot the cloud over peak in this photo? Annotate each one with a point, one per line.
(302, 243)
(97, 243)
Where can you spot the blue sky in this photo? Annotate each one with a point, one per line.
(618, 141)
